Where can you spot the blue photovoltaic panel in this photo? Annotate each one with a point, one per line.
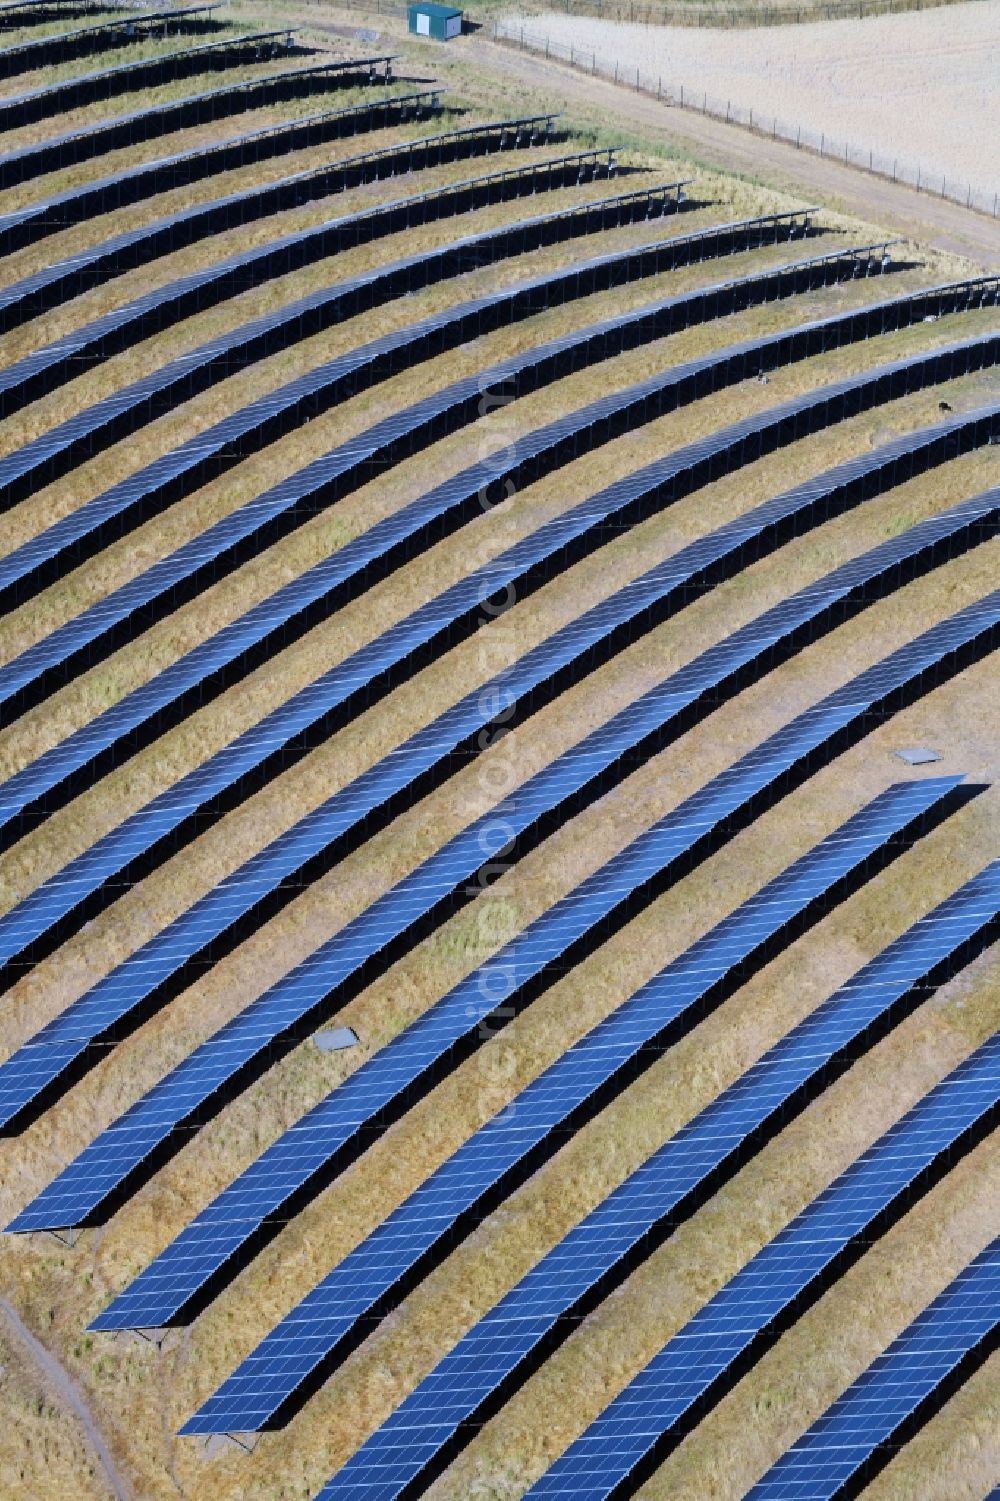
(84, 142)
(45, 289)
(710, 1352)
(41, 104)
(898, 1392)
(309, 993)
(37, 671)
(99, 36)
(492, 1163)
(45, 369)
(554, 794)
(47, 216)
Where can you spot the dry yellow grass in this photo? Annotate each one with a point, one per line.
(43, 1451)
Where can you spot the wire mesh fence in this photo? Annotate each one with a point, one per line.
(585, 60)
(717, 14)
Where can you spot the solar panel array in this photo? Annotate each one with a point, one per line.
(48, 216)
(83, 143)
(91, 635)
(499, 1156)
(287, 1171)
(46, 289)
(72, 442)
(559, 795)
(708, 1356)
(546, 948)
(603, 758)
(38, 104)
(710, 1353)
(150, 834)
(46, 369)
(896, 1395)
(99, 36)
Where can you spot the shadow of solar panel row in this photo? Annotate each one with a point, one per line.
(293, 1360)
(83, 143)
(705, 1360)
(488, 1167)
(325, 705)
(55, 452)
(19, 110)
(243, 533)
(46, 289)
(899, 1392)
(101, 36)
(55, 364)
(49, 216)
(274, 876)
(141, 1139)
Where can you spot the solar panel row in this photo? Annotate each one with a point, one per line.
(896, 1395)
(100, 36)
(83, 143)
(122, 614)
(50, 367)
(49, 216)
(511, 1146)
(19, 110)
(747, 1316)
(292, 1008)
(47, 288)
(291, 1361)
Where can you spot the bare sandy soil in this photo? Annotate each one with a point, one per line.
(923, 86)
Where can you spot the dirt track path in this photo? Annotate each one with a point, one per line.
(71, 1396)
(932, 221)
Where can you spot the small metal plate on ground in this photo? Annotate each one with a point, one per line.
(336, 1039)
(918, 755)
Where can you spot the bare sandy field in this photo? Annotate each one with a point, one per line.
(923, 86)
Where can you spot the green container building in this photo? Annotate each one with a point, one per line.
(440, 21)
